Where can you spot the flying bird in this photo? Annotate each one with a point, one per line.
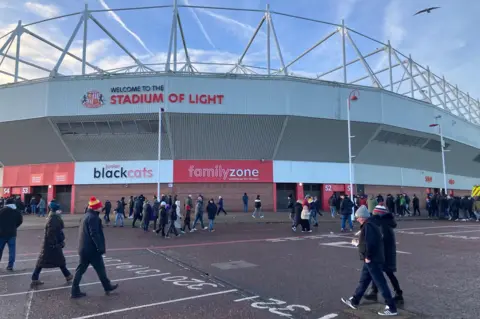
(428, 10)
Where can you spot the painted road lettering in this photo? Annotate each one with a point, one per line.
(280, 311)
(190, 283)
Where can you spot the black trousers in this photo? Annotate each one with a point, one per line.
(96, 260)
(135, 218)
(186, 223)
(393, 280)
(161, 228)
(172, 228)
(415, 210)
(221, 209)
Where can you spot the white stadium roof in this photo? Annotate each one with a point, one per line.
(362, 60)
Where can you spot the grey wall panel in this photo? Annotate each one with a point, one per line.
(214, 136)
(318, 140)
(31, 142)
(23, 101)
(116, 147)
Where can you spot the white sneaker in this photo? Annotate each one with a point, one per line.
(262, 216)
(349, 302)
(205, 228)
(254, 216)
(387, 312)
(194, 229)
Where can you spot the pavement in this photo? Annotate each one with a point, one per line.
(249, 270)
(73, 220)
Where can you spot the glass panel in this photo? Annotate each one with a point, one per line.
(116, 127)
(143, 126)
(103, 128)
(129, 127)
(154, 126)
(63, 127)
(77, 128)
(90, 128)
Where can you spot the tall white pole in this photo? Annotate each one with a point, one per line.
(443, 161)
(350, 155)
(159, 151)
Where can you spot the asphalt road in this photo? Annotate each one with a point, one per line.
(249, 271)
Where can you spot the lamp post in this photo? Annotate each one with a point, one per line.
(162, 110)
(442, 147)
(352, 97)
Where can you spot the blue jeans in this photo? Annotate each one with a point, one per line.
(333, 210)
(11, 242)
(210, 224)
(373, 271)
(259, 211)
(245, 207)
(344, 220)
(34, 209)
(313, 216)
(198, 217)
(41, 212)
(119, 218)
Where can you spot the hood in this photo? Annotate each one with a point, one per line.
(12, 206)
(389, 220)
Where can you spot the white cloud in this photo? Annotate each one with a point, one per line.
(200, 25)
(43, 10)
(124, 26)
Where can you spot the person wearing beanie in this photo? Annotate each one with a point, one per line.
(370, 247)
(91, 248)
(163, 220)
(386, 221)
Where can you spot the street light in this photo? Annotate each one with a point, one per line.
(442, 147)
(162, 110)
(352, 97)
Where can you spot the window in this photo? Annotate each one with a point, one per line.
(144, 126)
(77, 128)
(103, 128)
(129, 127)
(63, 127)
(116, 127)
(90, 128)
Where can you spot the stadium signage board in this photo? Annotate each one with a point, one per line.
(212, 171)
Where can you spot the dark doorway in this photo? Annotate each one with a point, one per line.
(313, 190)
(40, 190)
(283, 191)
(64, 197)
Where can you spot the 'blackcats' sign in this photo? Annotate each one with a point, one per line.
(117, 171)
(122, 172)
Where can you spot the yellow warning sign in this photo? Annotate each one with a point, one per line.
(476, 191)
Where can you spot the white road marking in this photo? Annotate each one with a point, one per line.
(82, 285)
(157, 304)
(434, 227)
(329, 316)
(347, 244)
(455, 232)
(29, 305)
(19, 261)
(247, 298)
(54, 270)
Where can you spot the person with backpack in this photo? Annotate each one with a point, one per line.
(258, 207)
(173, 218)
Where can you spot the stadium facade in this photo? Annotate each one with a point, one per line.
(224, 133)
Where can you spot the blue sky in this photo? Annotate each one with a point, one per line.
(445, 39)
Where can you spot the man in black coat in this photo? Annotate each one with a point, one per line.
(386, 221)
(10, 220)
(346, 210)
(137, 214)
(370, 247)
(91, 249)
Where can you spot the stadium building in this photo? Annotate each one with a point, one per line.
(229, 128)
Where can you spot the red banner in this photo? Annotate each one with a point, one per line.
(211, 171)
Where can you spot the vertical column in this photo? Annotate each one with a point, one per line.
(52, 192)
(274, 197)
(72, 200)
(300, 192)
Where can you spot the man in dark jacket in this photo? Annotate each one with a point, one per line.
(10, 220)
(386, 221)
(220, 206)
(137, 214)
(370, 247)
(245, 202)
(163, 220)
(91, 248)
(131, 206)
(107, 208)
(416, 205)
(211, 210)
(346, 210)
